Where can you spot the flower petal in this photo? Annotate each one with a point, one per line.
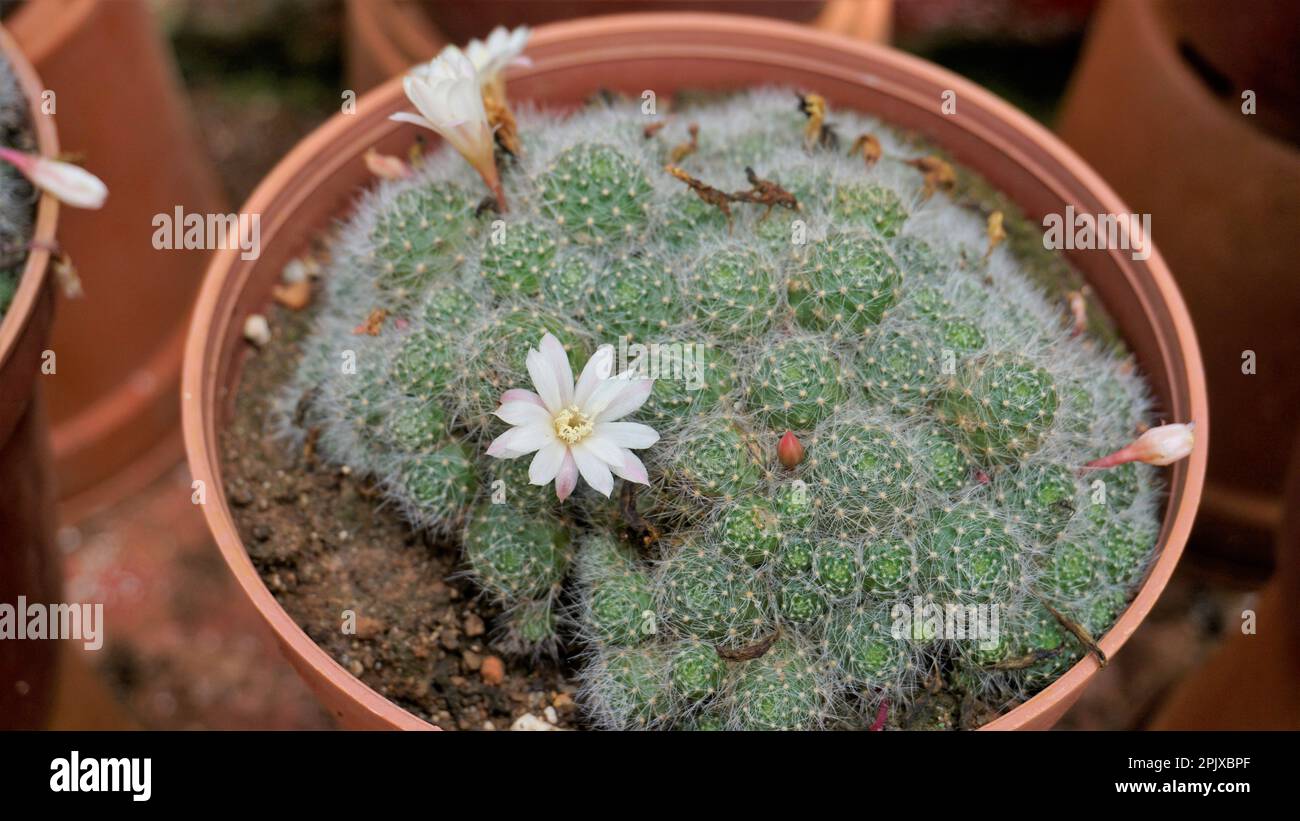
(597, 369)
(546, 464)
(627, 434)
(413, 119)
(520, 440)
(631, 469)
(521, 395)
(632, 395)
(555, 356)
(593, 469)
(567, 479)
(620, 460)
(523, 413)
(604, 449)
(543, 376)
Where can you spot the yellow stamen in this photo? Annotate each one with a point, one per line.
(572, 425)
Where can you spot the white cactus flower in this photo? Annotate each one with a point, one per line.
(490, 57)
(573, 428)
(445, 92)
(69, 183)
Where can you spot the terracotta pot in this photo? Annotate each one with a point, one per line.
(113, 401)
(1250, 681)
(386, 37)
(1224, 195)
(317, 182)
(29, 564)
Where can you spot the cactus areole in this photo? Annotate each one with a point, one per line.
(858, 497)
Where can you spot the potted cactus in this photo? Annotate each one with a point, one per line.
(31, 182)
(735, 409)
(114, 422)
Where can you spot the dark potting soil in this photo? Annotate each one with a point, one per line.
(325, 543)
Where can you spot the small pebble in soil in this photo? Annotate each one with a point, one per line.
(529, 722)
(294, 271)
(473, 625)
(492, 670)
(257, 330)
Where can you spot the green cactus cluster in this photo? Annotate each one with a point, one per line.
(942, 405)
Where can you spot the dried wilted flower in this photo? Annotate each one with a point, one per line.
(869, 147)
(995, 231)
(1078, 310)
(765, 192)
(719, 199)
(938, 174)
(684, 150)
(817, 133)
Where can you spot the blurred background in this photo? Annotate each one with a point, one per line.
(1150, 92)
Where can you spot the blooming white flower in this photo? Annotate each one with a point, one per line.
(446, 92)
(490, 57)
(574, 429)
(69, 183)
(1161, 445)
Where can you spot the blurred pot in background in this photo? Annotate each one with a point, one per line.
(113, 407)
(29, 564)
(1250, 681)
(921, 21)
(1157, 107)
(385, 37)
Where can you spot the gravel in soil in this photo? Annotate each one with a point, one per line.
(325, 544)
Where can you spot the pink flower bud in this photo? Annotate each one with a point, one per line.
(68, 183)
(790, 450)
(386, 166)
(1160, 445)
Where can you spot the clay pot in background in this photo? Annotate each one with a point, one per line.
(113, 409)
(1155, 106)
(1252, 681)
(29, 564)
(316, 184)
(386, 37)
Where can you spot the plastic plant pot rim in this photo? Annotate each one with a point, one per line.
(323, 174)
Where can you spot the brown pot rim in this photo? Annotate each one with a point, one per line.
(31, 282)
(45, 25)
(1177, 350)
